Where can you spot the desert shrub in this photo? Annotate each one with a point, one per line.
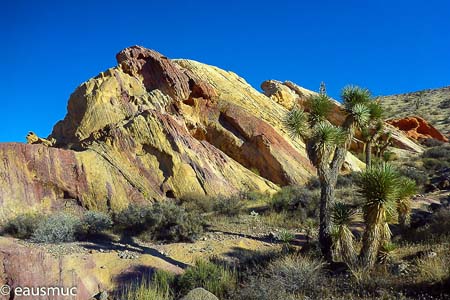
(444, 104)
(217, 279)
(419, 176)
(290, 277)
(198, 202)
(313, 183)
(57, 228)
(440, 222)
(430, 142)
(22, 226)
(433, 269)
(162, 221)
(435, 164)
(228, 206)
(133, 219)
(94, 222)
(297, 274)
(347, 180)
(290, 198)
(173, 223)
(250, 195)
(442, 151)
(389, 156)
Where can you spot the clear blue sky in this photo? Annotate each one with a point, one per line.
(49, 47)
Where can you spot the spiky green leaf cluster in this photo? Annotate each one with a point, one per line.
(343, 214)
(297, 124)
(320, 107)
(354, 95)
(379, 184)
(376, 110)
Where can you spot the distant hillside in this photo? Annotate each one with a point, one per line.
(433, 105)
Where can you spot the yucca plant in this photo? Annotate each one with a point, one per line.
(379, 185)
(343, 216)
(327, 144)
(407, 188)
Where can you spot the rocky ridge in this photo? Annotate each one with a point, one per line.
(154, 128)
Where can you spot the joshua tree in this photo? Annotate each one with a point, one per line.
(372, 130)
(327, 145)
(379, 186)
(343, 216)
(382, 187)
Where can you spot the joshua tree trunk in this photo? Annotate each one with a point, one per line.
(368, 153)
(371, 245)
(348, 251)
(327, 197)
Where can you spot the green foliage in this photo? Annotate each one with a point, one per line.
(295, 198)
(296, 122)
(173, 223)
(158, 288)
(216, 279)
(379, 184)
(343, 214)
(353, 95)
(162, 221)
(22, 226)
(435, 164)
(327, 135)
(198, 202)
(57, 228)
(94, 222)
(134, 219)
(320, 107)
(414, 173)
(228, 206)
(440, 152)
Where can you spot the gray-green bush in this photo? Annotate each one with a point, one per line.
(57, 228)
(94, 222)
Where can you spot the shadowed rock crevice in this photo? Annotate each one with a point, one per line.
(165, 162)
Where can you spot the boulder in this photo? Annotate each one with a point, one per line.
(199, 294)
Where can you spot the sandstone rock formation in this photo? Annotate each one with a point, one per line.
(417, 128)
(32, 138)
(152, 128)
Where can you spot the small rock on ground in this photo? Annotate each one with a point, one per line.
(199, 294)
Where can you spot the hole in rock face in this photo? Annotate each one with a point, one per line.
(170, 194)
(189, 102)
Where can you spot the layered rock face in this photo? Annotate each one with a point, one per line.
(417, 128)
(154, 128)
